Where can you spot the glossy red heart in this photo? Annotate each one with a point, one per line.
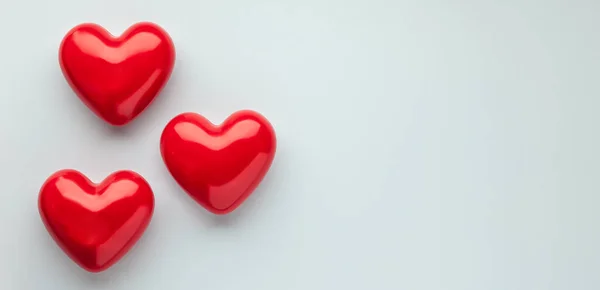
(117, 77)
(96, 224)
(218, 166)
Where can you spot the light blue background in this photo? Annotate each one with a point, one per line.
(433, 144)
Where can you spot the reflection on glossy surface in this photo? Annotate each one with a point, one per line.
(219, 166)
(96, 224)
(117, 78)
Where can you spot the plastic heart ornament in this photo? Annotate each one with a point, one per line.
(117, 77)
(218, 166)
(96, 224)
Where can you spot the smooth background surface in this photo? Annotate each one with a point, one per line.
(422, 144)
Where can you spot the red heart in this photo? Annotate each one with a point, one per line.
(219, 166)
(96, 224)
(117, 78)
